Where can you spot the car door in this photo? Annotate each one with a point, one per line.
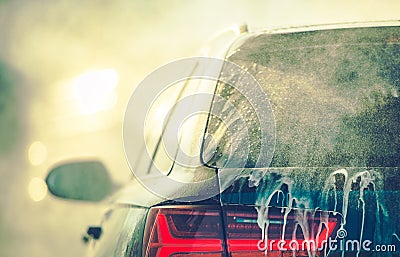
(121, 232)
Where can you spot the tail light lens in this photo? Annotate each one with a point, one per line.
(284, 233)
(198, 231)
(184, 231)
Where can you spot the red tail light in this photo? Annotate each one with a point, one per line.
(198, 231)
(244, 235)
(184, 231)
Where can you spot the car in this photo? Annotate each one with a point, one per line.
(308, 166)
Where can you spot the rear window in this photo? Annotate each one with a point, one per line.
(334, 95)
(335, 99)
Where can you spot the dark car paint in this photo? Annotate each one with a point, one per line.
(135, 201)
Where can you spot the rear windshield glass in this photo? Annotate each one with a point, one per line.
(334, 95)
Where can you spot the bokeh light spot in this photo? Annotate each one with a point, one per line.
(37, 153)
(94, 90)
(37, 189)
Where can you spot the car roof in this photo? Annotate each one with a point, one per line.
(246, 34)
(327, 26)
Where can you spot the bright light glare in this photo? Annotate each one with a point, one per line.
(37, 189)
(95, 90)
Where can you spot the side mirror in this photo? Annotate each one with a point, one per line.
(80, 180)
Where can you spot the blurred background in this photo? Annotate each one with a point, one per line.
(67, 69)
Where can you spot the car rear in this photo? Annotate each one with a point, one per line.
(332, 187)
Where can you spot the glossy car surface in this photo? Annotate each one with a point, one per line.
(334, 92)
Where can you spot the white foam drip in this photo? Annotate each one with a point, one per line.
(365, 179)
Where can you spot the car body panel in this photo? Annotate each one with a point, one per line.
(255, 188)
